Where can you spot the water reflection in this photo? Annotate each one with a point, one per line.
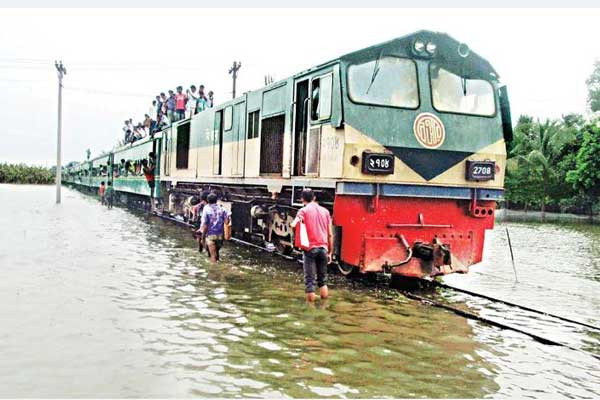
(113, 303)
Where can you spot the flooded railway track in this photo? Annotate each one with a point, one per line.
(430, 299)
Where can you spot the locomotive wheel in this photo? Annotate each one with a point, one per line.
(406, 283)
(345, 269)
(283, 248)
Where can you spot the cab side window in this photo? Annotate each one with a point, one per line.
(321, 90)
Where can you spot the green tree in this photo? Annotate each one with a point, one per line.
(593, 86)
(585, 178)
(539, 150)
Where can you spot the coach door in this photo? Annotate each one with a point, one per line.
(301, 105)
(238, 139)
(166, 143)
(218, 143)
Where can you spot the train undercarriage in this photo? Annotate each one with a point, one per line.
(403, 236)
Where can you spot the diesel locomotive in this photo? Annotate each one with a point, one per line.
(404, 143)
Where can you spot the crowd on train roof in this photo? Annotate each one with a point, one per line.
(166, 109)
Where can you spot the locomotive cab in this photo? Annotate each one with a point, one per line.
(424, 156)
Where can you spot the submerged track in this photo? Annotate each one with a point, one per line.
(467, 314)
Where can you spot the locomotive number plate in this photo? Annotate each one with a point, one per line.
(377, 163)
(480, 170)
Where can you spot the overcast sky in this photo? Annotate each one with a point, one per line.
(117, 61)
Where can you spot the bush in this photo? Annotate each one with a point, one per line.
(21, 173)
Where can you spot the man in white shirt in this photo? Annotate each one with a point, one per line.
(190, 106)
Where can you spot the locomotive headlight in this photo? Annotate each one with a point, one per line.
(431, 47)
(419, 46)
(463, 50)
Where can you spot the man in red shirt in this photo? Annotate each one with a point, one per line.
(180, 100)
(320, 245)
(148, 170)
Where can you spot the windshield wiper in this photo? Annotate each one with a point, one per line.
(375, 72)
(463, 81)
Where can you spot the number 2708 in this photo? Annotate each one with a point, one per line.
(383, 163)
(482, 170)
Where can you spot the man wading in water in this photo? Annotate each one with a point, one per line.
(320, 245)
(212, 226)
(101, 191)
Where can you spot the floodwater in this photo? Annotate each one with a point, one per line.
(114, 303)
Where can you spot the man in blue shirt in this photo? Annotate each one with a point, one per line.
(212, 226)
(171, 106)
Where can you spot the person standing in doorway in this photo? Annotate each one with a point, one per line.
(148, 170)
(212, 226)
(317, 256)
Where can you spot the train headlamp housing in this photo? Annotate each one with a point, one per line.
(419, 47)
(424, 48)
(430, 48)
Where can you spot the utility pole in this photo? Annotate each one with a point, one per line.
(62, 71)
(233, 70)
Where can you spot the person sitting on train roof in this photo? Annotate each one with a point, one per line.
(164, 122)
(171, 106)
(137, 134)
(190, 106)
(212, 226)
(126, 131)
(180, 100)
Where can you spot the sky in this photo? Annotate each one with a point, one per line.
(118, 60)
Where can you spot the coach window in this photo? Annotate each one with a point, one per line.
(321, 89)
(385, 81)
(228, 116)
(253, 124)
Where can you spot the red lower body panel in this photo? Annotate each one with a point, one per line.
(380, 233)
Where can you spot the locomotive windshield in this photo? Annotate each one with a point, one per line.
(453, 93)
(386, 81)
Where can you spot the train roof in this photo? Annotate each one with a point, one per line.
(471, 65)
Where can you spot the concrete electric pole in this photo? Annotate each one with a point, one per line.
(233, 70)
(62, 71)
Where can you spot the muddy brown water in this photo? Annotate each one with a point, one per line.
(114, 303)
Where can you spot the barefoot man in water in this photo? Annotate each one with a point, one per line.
(318, 226)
